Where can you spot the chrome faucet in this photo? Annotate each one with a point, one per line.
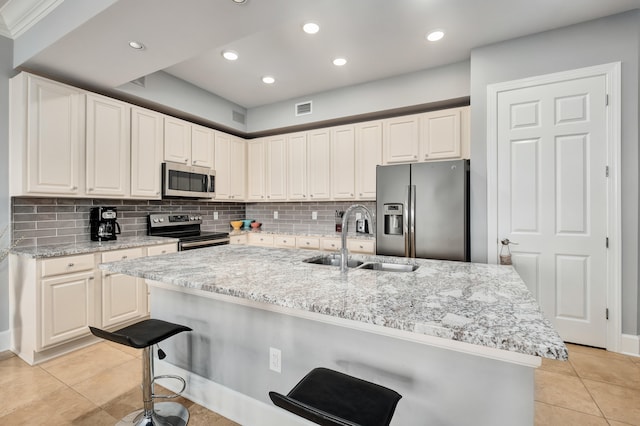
(344, 253)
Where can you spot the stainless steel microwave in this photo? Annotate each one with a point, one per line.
(182, 181)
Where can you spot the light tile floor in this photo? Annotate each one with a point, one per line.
(99, 385)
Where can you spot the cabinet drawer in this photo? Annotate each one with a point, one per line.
(238, 239)
(361, 246)
(331, 244)
(308, 243)
(284, 241)
(67, 264)
(261, 240)
(115, 255)
(162, 249)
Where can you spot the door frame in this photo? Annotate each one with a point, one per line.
(612, 73)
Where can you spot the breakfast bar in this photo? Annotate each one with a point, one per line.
(460, 341)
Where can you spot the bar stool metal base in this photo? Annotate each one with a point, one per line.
(164, 414)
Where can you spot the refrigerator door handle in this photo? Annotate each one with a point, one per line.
(412, 220)
(406, 220)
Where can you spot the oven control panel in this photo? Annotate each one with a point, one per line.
(157, 220)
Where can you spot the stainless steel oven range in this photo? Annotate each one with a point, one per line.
(185, 227)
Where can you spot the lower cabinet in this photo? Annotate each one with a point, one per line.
(53, 301)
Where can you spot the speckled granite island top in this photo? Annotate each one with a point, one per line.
(55, 250)
(486, 305)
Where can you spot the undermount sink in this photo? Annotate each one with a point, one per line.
(332, 260)
(388, 267)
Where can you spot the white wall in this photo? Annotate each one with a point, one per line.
(611, 39)
(6, 52)
(422, 87)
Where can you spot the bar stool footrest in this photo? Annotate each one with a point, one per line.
(174, 395)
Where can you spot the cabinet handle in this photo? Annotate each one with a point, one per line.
(194, 161)
(415, 156)
(91, 278)
(90, 189)
(70, 265)
(186, 160)
(163, 252)
(351, 195)
(73, 188)
(304, 195)
(268, 196)
(361, 194)
(284, 241)
(158, 193)
(124, 257)
(361, 247)
(311, 195)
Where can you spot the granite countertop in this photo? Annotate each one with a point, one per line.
(55, 250)
(481, 304)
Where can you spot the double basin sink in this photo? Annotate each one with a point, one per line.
(334, 260)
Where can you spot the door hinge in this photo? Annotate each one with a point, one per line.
(606, 100)
(606, 242)
(606, 171)
(607, 313)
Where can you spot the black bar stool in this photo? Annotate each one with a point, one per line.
(331, 398)
(144, 335)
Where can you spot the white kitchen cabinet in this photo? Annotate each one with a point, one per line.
(276, 168)
(177, 140)
(297, 166)
(147, 146)
(162, 249)
(284, 241)
(256, 170)
(361, 246)
(230, 167)
(238, 239)
(330, 244)
(259, 239)
(368, 157)
(343, 163)
(312, 243)
(319, 164)
(444, 134)
(107, 147)
(47, 134)
(124, 297)
(202, 146)
(401, 139)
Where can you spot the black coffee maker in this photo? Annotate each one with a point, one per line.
(104, 226)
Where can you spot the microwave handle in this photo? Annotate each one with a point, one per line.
(212, 183)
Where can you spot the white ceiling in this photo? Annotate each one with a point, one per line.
(380, 38)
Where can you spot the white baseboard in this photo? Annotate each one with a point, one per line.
(5, 340)
(231, 404)
(630, 344)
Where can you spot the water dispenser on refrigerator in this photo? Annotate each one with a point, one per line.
(393, 219)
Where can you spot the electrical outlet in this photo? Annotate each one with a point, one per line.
(358, 216)
(314, 215)
(275, 215)
(215, 215)
(275, 360)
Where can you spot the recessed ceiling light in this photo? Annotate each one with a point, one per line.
(136, 45)
(339, 62)
(267, 79)
(239, 1)
(435, 35)
(230, 55)
(311, 28)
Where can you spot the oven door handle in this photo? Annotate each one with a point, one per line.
(205, 243)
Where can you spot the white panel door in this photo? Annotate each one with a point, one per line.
(552, 199)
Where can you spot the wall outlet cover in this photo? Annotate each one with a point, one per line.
(275, 215)
(275, 360)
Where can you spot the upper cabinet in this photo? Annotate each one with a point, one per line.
(147, 148)
(230, 167)
(368, 157)
(319, 164)
(256, 188)
(188, 143)
(47, 134)
(435, 135)
(297, 166)
(343, 162)
(267, 169)
(107, 146)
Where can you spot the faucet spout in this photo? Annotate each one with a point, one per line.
(344, 252)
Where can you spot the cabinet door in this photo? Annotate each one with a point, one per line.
(177, 140)
(276, 168)
(222, 165)
(55, 138)
(108, 146)
(401, 140)
(256, 170)
(368, 157)
(67, 308)
(124, 297)
(440, 134)
(238, 168)
(146, 153)
(343, 146)
(202, 146)
(297, 166)
(318, 165)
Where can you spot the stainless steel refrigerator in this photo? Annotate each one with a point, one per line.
(422, 210)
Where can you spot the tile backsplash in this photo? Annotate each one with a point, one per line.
(42, 221)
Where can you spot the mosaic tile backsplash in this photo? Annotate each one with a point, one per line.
(42, 221)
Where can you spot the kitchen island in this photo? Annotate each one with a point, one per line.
(459, 341)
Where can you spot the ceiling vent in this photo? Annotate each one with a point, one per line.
(238, 117)
(303, 108)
